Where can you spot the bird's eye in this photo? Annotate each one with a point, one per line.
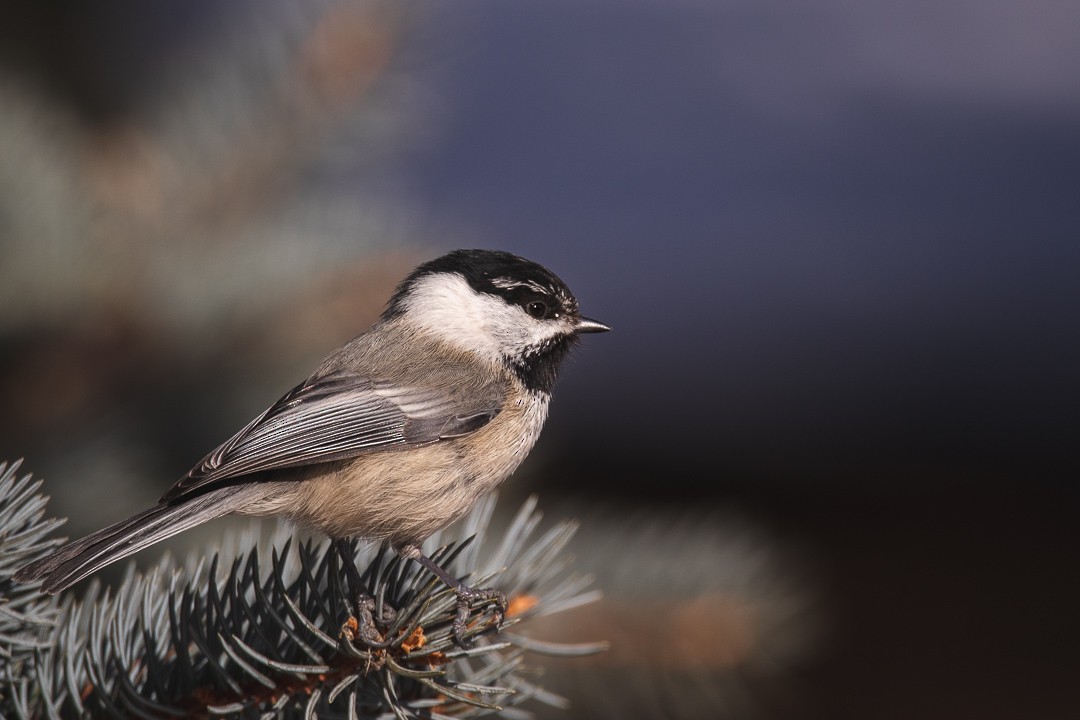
(537, 309)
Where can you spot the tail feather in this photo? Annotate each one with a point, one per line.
(74, 561)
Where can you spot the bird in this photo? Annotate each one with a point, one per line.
(395, 435)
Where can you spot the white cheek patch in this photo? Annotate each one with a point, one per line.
(448, 307)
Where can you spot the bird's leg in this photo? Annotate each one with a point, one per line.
(366, 629)
(367, 623)
(466, 595)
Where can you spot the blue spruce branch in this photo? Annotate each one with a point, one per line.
(284, 628)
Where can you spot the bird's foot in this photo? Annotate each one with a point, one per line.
(467, 597)
(368, 625)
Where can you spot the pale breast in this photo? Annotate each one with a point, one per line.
(497, 449)
(406, 495)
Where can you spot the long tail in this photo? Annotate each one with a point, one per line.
(74, 561)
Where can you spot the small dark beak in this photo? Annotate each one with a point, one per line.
(585, 325)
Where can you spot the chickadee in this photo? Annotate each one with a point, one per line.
(395, 435)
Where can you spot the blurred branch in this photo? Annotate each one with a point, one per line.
(221, 223)
(244, 153)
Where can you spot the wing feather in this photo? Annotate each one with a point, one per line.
(336, 417)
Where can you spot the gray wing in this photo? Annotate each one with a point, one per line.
(341, 416)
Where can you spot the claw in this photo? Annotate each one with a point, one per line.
(368, 630)
(466, 597)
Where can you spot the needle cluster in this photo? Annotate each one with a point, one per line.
(285, 627)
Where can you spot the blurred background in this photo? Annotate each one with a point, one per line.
(826, 465)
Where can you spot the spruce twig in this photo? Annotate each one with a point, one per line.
(285, 628)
